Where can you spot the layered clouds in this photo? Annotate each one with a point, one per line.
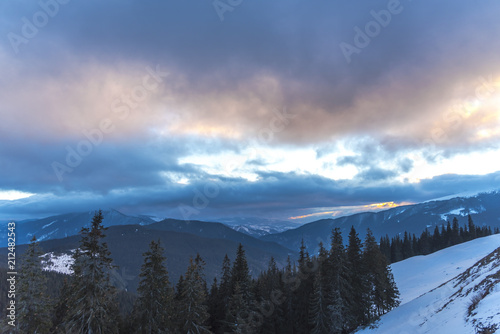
(164, 108)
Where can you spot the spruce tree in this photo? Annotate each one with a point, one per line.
(224, 293)
(192, 309)
(34, 305)
(359, 305)
(290, 285)
(213, 305)
(471, 228)
(154, 306)
(270, 298)
(305, 277)
(93, 309)
(241, 314)
(61, 308)
(340, 285)
(319, 313)
(383, 293)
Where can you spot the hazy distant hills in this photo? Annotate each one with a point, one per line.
(128, 237)
(214, 230)
(484, 209)
(127, 243)
(69, 224)
(258, 226)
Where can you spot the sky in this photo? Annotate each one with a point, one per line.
(291, 109)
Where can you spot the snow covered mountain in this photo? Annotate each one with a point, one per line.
(258, 227)
(484, 209)
(455, 290)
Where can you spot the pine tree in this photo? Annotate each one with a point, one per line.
(290, 285)
(241, 316)
(436, 240)
(193, 311)
(455, 232)
(61, 308)
(383, 293)
(224, 293)
(359, 306)
(213, 306)
(337, 269)
(153, 308)
(407, 246)
(471, 228)
(319, 312)
(178, 288)
(34, 305)
(93, 309)
(240, 272)
(305, 278)
(269, 295)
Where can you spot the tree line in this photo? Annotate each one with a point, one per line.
(397, 248)
(333, 291)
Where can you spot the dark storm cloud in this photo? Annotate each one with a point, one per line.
(109, 166)
(404, 77)
(231, 75)
(274, 195)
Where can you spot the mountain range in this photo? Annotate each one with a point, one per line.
(183, 239)
(484, 209)
(127, 243)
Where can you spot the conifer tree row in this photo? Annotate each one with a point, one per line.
(334, 291)
(397, 248)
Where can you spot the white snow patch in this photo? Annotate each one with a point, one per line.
(419, 274)
(59, 263)
(45, 236)
(44, 226)
(443, 306)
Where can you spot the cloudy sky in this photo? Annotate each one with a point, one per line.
(282, 109)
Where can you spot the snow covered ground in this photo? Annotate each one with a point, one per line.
(420, 274)
(437, 291)
(60, 263)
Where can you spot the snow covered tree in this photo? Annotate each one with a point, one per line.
(153, 308)
(34, 305)
(192, 308)
(93, 309)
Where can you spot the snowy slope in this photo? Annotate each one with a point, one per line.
(417, 275)
(445, 307)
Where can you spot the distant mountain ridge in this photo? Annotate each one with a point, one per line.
(257, 226)
(65, 225)
(484, 208)
(127, 243)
